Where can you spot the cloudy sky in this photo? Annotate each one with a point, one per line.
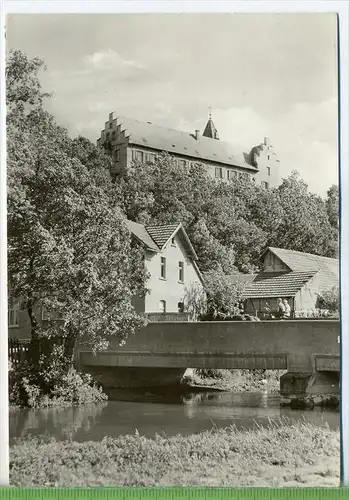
(262, 74)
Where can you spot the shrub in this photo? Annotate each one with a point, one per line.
(51, 383)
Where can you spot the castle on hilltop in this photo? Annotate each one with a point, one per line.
(126, 140)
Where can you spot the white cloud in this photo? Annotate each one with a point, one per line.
(107, 59)
(304, 138)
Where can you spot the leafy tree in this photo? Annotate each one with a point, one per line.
(23, 88)
(305, 226)
(69, 248)
(332, 206)
(330, 300)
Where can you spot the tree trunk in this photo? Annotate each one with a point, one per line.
(69, 345)
(34, 351)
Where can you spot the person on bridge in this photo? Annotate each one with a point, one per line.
(287, 313)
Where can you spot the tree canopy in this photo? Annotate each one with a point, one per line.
(69, 248)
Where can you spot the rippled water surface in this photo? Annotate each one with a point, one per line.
(163, 414)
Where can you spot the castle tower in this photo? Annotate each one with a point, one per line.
(210, 130)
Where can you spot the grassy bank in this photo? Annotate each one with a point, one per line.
(237, 380)
(284, 454)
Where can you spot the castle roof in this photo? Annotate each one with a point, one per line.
(148, 135)
(210, 130)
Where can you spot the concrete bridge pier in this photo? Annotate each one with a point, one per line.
(316, 384)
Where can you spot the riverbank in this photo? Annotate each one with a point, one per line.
(282, 455)
(235, 380)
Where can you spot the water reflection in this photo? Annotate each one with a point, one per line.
(167, 414)
(64, 421)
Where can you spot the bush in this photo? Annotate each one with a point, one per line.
(51, 383)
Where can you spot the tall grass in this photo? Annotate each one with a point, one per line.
(283, 454)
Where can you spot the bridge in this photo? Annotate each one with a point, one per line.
(159, 353)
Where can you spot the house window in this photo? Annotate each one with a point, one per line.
(182, 163)
(265, 185)
(13, 313)
(268, 168)
(162, 306)
(163, 268)
(219, 173)
(181, 272)
(181, 307)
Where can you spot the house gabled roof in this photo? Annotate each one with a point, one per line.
(269, 285)
(156, 237)
(148, 135)
(300, 261)
(141, 234)
(162, 235)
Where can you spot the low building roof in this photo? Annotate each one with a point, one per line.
(269, 285)
(300, 261)
(148, 135)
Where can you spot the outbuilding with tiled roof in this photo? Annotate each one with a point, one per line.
(296, 276)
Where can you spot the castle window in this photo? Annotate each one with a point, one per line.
(117, 155)
(182, 163)
(265, 185)
(268, 168)
(232, 174)
(219, 173)
(151, 157)
(138, 155)
(111, 125)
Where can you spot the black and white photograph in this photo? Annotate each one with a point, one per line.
(173, 249)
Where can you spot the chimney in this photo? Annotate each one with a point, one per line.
(266, 141)
(197, 133)
(111, 116)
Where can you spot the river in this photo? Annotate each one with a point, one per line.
(151, 414)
